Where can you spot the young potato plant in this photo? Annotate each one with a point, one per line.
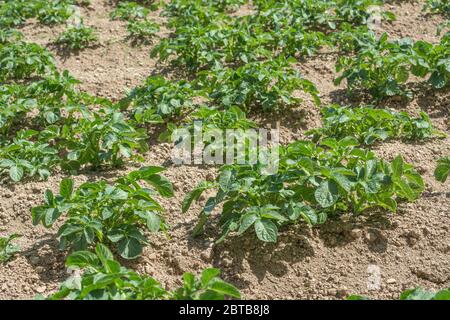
(158, 99)
(359, 12)
(266, 85)
(223, 41)
(212, 119)
(278, 15)
(197, 12)
(27, 158)
(414, 294)
(8, 36)
(432, 60)
(15, 13)
(53, 11)
(129, 11)
(101, 277)
(350, 39)
(103, 138)
(437, 6)
(21, 60)
(312, 182)
(382, 67)
(77, 37)
(114, 214)
(195, 46)
(142, 31)
(55, 90)
(442, 169)
(369, 125)
(14, 107)
(318, 15)
(7, 248)
(37, 104)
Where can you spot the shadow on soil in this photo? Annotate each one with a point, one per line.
(295, 244)
(47, 259)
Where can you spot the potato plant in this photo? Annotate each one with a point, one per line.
(103, 278)
(21, 60)
(7, 248)
(211, 119)
(15, 13)
(106, 138)
(369, 125)
(259, 85)
(437, 6)
(15, 106)
(312, 182)
(383, 67)
(53, 11)
(414, 294)
(26, 157)
(159, 98)
(77, 37)
(442, 169)
(8, 36)
(142, 31)
(115, 214)
(129, 11)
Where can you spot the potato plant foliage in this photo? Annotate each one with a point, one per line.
(22, 60)
(414, 294)
(383, 67)
(73, 134)
(7, 248)
(369, 125)
(77, 37)
(103, 278)
(116, 214)
(442, 169)
(49, 12)
(223, 63)
(312, 182)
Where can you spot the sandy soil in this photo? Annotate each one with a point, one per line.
(409, 248)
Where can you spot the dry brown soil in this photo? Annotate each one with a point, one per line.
(410, 248)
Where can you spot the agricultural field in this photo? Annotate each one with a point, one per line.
(93, 205)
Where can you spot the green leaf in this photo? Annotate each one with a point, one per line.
(438, 80)
(442, 295)
(225, 179)
(193, 195)
(66, 188)
(442, 170)
(82, 259)
(153, 221)
(129, 248)
(356, 297)
(266, 230)
(327, 194)
(397, 166)
(37, 214)
(342, 181)
(161, 184)
(225, 288)
(103, 253)
(208, 275)
(51, 215)
(49, 197)
(16, 173)
(246, 221)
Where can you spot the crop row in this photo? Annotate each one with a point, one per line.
(236, 64)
